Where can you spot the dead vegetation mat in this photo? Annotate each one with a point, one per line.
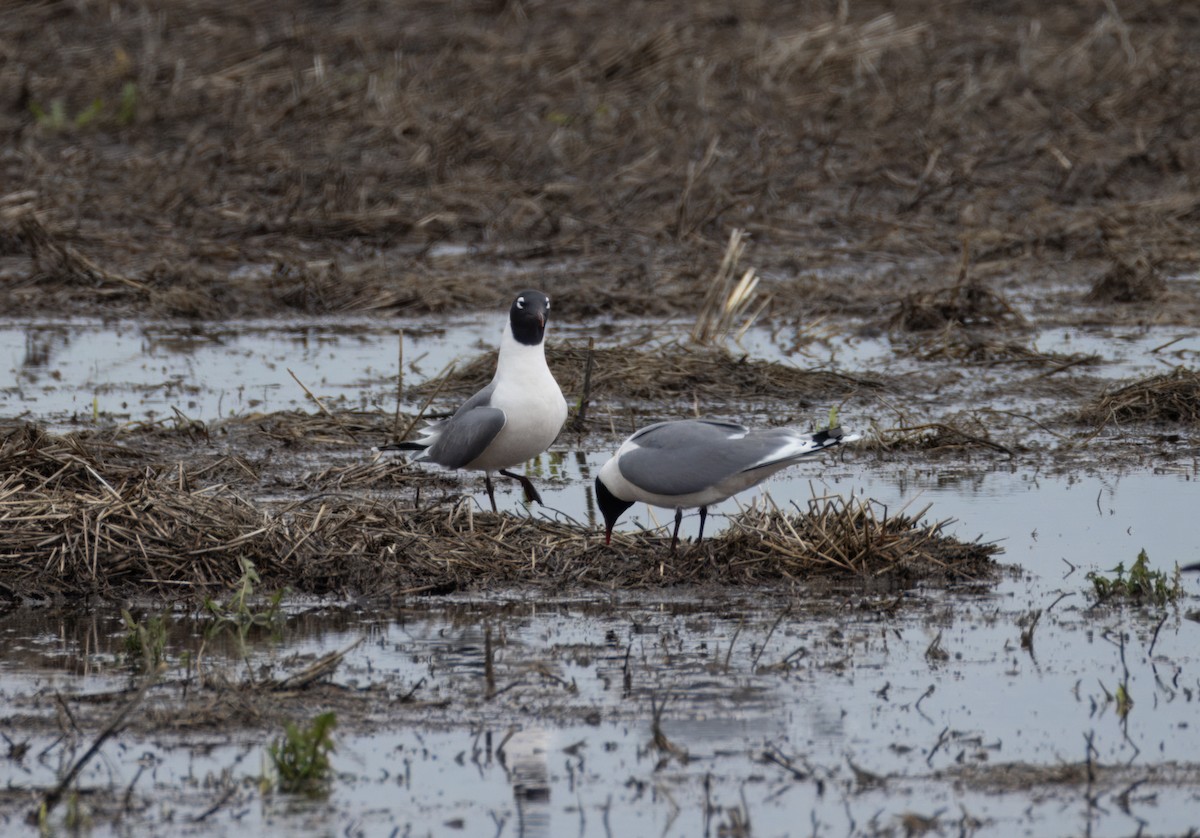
(73, 525)
(969, 304)
(675, 370)
(1173, 397)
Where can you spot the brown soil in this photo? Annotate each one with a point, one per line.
(206, 160)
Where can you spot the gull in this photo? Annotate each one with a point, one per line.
(699, 462)
(511, 420)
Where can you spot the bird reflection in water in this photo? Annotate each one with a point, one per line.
(523, 756)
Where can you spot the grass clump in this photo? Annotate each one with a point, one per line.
(1171, 397)
(1140, 584)
(967, 304)
(1134, 280)
(664, 372)
(300, 757)
(145, 641)
(89, 518)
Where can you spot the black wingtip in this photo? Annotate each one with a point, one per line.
(403, 446)
(828, 436)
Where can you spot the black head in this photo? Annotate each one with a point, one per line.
(611, 507)
(528, 317)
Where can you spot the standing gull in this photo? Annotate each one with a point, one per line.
(699, 462)
(512, 419)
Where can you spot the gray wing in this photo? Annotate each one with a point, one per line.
(678, 458)
(466, 434)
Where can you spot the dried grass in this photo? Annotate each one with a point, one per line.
(969, 304)
(1172, 397)
(956, 436)
(73, 524)
(1134, 280)
(854, 537)
(671, 371)
(56, 262)
(954, 343)
(837, 46)
(725, 303)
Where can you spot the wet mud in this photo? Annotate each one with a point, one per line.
(242, 246)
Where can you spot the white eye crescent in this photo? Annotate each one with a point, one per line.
(520, 302)
(547, 304)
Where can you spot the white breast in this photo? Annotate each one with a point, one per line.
(532, 402)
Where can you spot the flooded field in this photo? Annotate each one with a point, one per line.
(244, 248)
(77, 372)
(667, 716)
(832, 708)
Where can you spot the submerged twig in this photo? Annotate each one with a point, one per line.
(319, 668)
(54, 795)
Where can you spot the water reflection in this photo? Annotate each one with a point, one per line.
(146, 369)
(40, 346)
(524, 757)
(471, 706)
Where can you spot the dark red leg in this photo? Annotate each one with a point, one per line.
(487, 481)
(531, 493)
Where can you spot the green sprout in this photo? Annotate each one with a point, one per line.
(1141, 584)
(300, 757)
(1124, 702)
(127, 109)
(238, 617)
(145, 641)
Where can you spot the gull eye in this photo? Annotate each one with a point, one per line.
(520, 302)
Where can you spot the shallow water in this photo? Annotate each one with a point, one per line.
(70, 371)
(64, 372)
(564, 747)
(832, 684)
(1046, 522)
(827, 685)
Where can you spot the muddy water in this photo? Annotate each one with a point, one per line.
(835, 712)
(831, 715)
(69, 372)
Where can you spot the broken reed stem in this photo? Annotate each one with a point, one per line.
(54, 795)
(728, 297)
(442, 379)
(399, 379)
(579, 423)
(321, 405)
(319, 668)
(65, 259)
(489, 670)
(718, 289)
